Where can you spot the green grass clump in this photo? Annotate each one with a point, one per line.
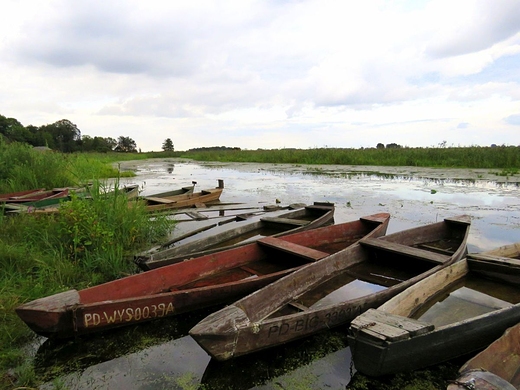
(90, 240)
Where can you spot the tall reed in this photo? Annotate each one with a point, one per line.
(90, 241)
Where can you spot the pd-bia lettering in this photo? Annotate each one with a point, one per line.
(297, 326)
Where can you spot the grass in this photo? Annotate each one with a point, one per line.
(506, 158)
(90, 241)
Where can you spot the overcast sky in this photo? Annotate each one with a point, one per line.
(266, 74)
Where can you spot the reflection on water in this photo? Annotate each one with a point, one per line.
(352, 290)
(317, 362)
(473, 296)
(133, 357)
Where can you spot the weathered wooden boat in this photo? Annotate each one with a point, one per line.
(496, 367)
(171, 200)
(304, 218)
(19, 194)
(179, 191)
(38, 200)
(201, 282)
(332, 291)
(50, 204)
(35, 195)
(454, 312)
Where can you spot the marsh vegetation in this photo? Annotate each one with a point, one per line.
(88, 243)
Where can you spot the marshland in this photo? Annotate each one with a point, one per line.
(88, 243)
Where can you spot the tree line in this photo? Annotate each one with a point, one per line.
(63, 136)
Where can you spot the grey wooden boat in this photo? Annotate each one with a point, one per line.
(301, 219)
(332, 291)
(456, 311)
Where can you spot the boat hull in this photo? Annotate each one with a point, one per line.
(309, 217)
(376, 351)
(263, 319)
(201, 282)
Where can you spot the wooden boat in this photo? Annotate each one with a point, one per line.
(454, 312)
(38, 200)
(50, 204)
(496, 367)
(185, 198)
(332, 291)
(14, 195)
(201, 282)
(304, 218)
(35, 195)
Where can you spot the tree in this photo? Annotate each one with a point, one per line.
(167, 145)
(65, 135)
(380, 146)
(125, 144)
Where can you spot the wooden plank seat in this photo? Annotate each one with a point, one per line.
(295, 249)
(385, 326)
(159, 200)
(406, 250)
(285, 221)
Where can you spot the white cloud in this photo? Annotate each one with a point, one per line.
(266, 73)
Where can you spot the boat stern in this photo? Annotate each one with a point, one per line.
(50, 316)
(217, 334)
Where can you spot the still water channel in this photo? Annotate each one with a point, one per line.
(161, 354)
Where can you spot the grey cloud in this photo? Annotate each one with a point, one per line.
(494, 22)
(114, 38)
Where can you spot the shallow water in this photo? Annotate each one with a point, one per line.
(162, 355)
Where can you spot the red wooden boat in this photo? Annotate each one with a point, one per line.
(19, 194)
(199, 282)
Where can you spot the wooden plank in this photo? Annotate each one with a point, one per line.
(485, 257)
(186, 235)
(411, 325)
(295, 249)
(298, 305)
(405, 250)
(196, 215)
(159, 200)
(377, 330)
(285, 221)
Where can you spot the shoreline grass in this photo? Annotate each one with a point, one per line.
(88, 242)
(501, 157)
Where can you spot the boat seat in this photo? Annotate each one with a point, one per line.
(389, 327)
(285, 221)
(292, 248)
(405, 250)
(159, 200)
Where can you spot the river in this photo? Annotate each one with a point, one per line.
(162, 355)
